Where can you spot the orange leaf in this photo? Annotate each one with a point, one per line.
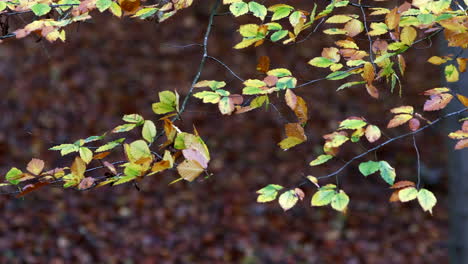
(368, 74)
(394, 197)
(301, 110)
(402, 184)
(291, 99)
(129, 6)
(399, 120)
(101, 155)
(463, 99)
(462, 144)
(263, 64)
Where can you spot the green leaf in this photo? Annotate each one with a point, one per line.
(208, 97)
(280, 72)
(133, 118)
(167, 103)
(123, 128)
(387, 172)
(278, 35)
(139, 149)
(369, 167)
(110, 145)
(66, 148)
(133, 170)
(407, 194)
(13, 176)
(288, 199)
(268, 193)
(2, 6)
(252, 91)
(427, 200)
(239, 8)
(124, 179)
(349, 84)
(249, 30)
(286, 83)
(340, 201)
(258, 10)
(321, 62)
(338, 75)
(149, 131)
(86, 154)
(103, 5)
(281, 12)
(145, 12)
(323, 197)
(320, 160)
(352, 124)
(40, 9)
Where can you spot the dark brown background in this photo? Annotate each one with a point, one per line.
(57, 93)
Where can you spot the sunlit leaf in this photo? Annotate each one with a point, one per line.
(288, 199)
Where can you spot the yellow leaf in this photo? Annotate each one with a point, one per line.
(408, 35)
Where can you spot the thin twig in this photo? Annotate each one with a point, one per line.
(387, 142)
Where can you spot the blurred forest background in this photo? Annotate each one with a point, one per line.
(57, 93)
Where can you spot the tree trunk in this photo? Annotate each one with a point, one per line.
(458, 181)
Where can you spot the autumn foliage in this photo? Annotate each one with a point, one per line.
(390, 33)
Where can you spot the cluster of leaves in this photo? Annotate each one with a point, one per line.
(140, 160)
(54, 16)
(383, 60)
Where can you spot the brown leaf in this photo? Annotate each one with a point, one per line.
(110, 167)
(295, 130)
(372, 91)
(437, 102)
(368, 73)
(189, 170)
(263, 64)
(299, 193)
(35, 166)
(31, 187)
(86, 183)
(270, 80)
(414, 124)
(236, 99)
(331, 53)
(161, 166)
(379, 45)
